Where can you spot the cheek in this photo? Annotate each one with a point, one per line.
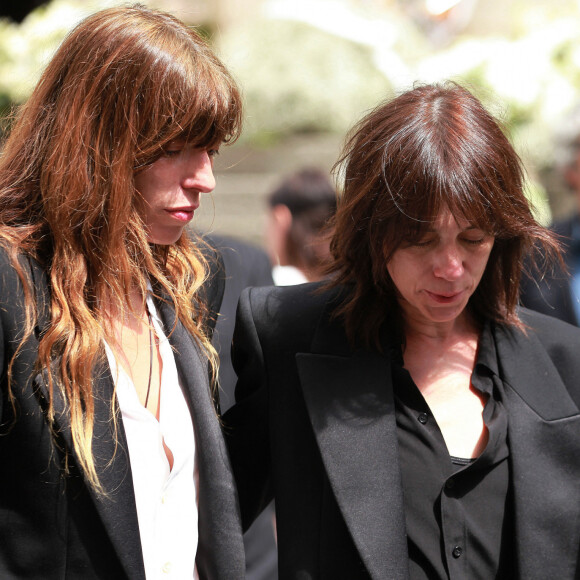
(392, 271)
(484, 258)
(399, 272)
(143, 184)
(152, 181)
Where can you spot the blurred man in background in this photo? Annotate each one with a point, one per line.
(297, 239)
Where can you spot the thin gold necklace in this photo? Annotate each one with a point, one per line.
(150, 354)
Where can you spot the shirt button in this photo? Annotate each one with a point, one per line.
(450, 483)
(422, 418)
(457, 551)
(166, 568)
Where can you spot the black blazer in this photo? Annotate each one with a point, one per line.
(244, 265)
(314, 425)
(56, 527)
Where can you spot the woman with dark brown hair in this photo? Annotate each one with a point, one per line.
(114, 462)
(410, 420)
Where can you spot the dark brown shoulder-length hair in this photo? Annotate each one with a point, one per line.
(123, 84)
(432, 147)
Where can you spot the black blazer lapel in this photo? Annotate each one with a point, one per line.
(351, 407)
(117, 508)
(544, 440)
(220, 553)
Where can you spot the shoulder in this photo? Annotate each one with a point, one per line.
(10, 278)
(6, 265)
(552, 332)
(283, 311)
(236, 247)
(13, 297)
(554, 338)
(541, 362)
(565, 226)
(288, 302)
(245, 264)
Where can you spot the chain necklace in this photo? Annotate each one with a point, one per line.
(150, 354)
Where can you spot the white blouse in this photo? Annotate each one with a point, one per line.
(166, 499)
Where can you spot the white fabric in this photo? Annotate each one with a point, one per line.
(166, 500)
(287, 276)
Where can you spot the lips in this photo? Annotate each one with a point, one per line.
(446, 297)
(182, 214)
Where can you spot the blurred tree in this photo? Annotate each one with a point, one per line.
(17, 10)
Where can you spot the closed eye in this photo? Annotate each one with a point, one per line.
(475, 242)
(174, 148)
(423, 243)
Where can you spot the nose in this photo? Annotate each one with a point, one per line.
(448, 263)
(199, 172)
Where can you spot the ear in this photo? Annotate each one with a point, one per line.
(282, 216)
(277, 231)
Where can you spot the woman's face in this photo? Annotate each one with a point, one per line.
(436, 276)
(170, 189)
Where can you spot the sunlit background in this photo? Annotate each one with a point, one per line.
(309, 69)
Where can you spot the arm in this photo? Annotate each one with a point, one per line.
(247, 422)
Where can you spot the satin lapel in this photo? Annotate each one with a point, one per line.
(117, 509)
(351, 407)
(544, 440)
(220, 550)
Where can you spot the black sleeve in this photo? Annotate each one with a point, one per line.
(246, 425)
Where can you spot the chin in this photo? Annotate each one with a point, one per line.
(161, 241)
(445, 314)
(164, 239)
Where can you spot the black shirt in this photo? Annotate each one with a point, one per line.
(458, 511)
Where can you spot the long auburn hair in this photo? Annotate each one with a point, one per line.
(432, 147)
(123, 84)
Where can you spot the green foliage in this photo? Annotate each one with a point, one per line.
(299, 79)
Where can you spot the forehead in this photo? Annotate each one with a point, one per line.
(446, 219)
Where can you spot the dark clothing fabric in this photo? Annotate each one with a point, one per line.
(552, 295)
(457, 510)
(57, 527)
(315, 426)
(244, 265)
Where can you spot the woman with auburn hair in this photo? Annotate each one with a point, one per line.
(114, 462)
(410, 420)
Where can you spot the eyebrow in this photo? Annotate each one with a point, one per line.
(432, 230)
